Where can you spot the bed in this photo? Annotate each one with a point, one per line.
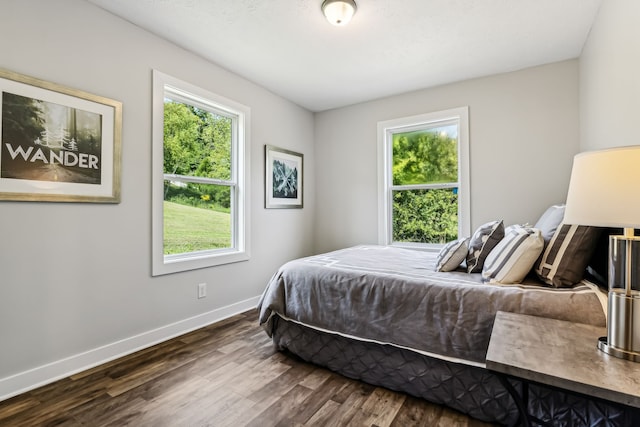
(383, 315)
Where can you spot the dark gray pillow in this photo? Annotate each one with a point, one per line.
(485, 238)
(564, 261)
(550, 221)
(452, 255)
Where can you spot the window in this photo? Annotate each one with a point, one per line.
(200, 195)
(423, 171)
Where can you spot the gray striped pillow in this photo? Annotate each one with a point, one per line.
(514, 256)
(565, 259)
(452, 255)
(485, 238)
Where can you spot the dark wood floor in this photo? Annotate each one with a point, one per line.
(227, 374)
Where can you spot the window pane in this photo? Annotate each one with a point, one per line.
(425, 216)
(196, 217)
(196, 142)
(427, 156)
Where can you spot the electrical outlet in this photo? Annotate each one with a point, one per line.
(202, 290)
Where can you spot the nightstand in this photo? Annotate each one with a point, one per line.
(559, 354)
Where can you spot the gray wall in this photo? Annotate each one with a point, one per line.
(610, 78)
(523, 136)
(76, 277)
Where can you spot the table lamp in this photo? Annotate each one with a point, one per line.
(604, 191)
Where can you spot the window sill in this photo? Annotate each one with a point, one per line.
(177, 263)
(425, 247)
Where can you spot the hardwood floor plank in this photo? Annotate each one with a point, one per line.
(323, 416)
(174, 407)
(416, 413)
(57, 403)
(452, 419)
(223, 408)
(283, 409)
(18, 404)
(379, 409)
(137, 378)
(117, 410)
(187, 372)
(141, 359)
(356, 395)
(258, 375)
(354, 390)
(285, 382)
(225, 375)
(232, 347)
(248, 412)
(316, 379)
(317, 400)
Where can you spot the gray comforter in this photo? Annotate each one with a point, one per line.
(394, 296)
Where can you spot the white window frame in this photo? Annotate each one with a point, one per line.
(181, 91)
(386, 130)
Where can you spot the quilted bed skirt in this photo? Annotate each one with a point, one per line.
(471, 390)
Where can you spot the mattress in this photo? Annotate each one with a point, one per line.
(393, 296)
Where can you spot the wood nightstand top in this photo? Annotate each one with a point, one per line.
(561, 354)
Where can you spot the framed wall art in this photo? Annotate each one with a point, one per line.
(57, 144)
(283, 178)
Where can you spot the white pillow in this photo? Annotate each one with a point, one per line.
(452, 255)
(514, 256)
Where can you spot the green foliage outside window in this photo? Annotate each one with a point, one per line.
(425, 157)
(197, 143)
(425, 216)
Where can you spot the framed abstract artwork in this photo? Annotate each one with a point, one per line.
(283, 178)
(57, 144)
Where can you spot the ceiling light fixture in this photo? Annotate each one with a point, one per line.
(339, 12)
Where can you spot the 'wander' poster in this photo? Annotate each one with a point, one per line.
(44, 141)
(57, 144)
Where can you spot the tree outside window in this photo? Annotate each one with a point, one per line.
(425, 185)
(197, 212)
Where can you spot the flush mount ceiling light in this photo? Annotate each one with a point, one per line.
(339, 12)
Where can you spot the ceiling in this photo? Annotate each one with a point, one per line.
(390, 46)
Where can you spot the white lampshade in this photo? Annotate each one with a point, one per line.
(604, 189)
(339, 12)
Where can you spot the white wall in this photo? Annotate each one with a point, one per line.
(523, 136)
(610, 78)
(75, 282)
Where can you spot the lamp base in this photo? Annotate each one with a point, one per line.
(623, 325)
(616, 352)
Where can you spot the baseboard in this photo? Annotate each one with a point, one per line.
(45, 374)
